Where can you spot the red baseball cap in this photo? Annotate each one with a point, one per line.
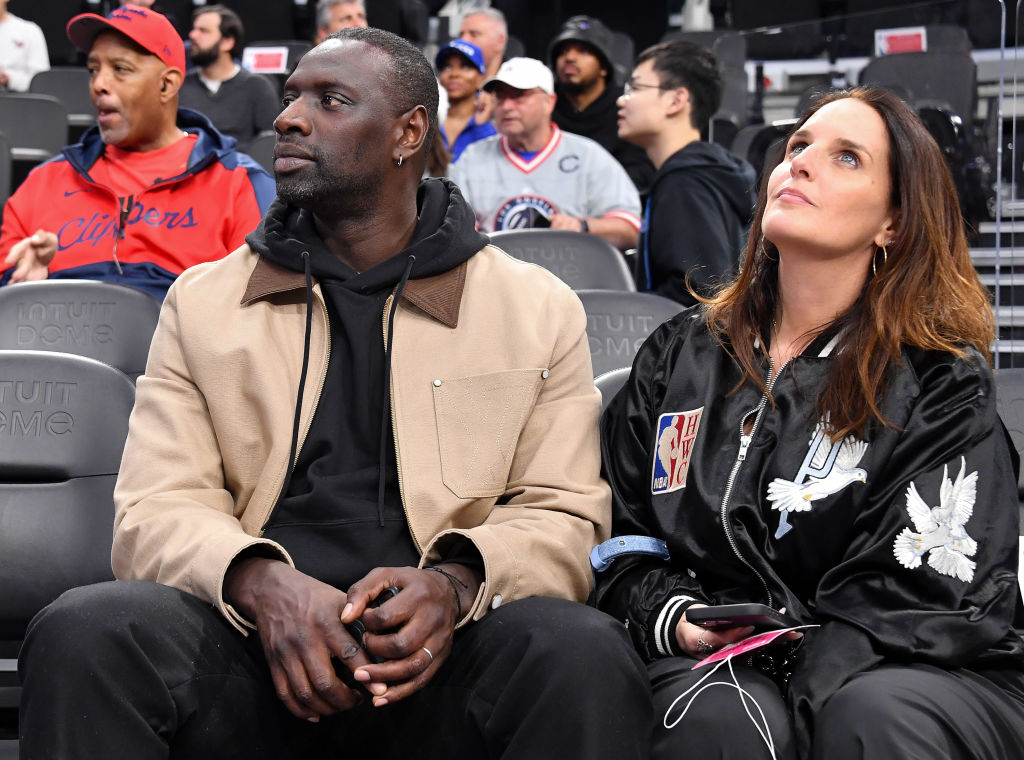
(143, 26)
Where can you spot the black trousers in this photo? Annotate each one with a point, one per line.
(139, 670)
(904, 712)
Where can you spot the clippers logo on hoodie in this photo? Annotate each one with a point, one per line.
(673, 445)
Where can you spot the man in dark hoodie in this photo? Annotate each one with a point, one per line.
(366, 405)
(580, 56)
(702, 198)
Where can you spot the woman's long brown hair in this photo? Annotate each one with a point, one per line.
(925, 294)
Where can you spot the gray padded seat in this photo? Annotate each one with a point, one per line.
(105, 321)
(578, 259)
(70, 85)
(619, 322)
(37, 125)
(1010, 402)
(63, 422)
(610, 383)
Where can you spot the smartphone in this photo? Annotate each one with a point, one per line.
(761, 616)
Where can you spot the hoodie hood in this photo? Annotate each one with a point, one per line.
(444, 237)
(597, 121)
(723, 173)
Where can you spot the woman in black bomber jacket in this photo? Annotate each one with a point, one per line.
(822, 436)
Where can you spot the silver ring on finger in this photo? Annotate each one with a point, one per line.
(430, 655)
(704, 647)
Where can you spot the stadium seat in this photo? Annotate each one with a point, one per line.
(5, 171)
(623, 53)
(780, 30)
(578, 259)
(757, 144)
(943, 87)
(1010, 402)
(609, 383)
(945, 78)
(261, 148)
(63, 422)
(514, 48)
(108, 322)
(70, 85)
(37, 125)
(619, 322)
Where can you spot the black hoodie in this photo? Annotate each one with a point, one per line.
(697, 215)
(599, 122)
(333, 518)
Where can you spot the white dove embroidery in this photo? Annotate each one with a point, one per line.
(940, 530)
(791, 496)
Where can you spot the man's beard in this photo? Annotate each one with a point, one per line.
(327, 194)
(203, 56)
(573, 88)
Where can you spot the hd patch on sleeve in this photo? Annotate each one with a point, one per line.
(673, 444)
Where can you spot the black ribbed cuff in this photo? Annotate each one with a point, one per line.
(663, 633)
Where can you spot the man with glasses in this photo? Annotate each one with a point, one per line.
(532, 174)
(702, 196)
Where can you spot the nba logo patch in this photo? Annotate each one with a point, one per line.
(673, 444)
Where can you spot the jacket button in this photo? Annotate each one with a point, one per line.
(437, 383)
(545, 374)
(495, 601)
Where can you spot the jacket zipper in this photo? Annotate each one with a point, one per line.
(394, 428)
(125, 208)
(309, 422)
(745, 440)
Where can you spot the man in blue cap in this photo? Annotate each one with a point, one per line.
(461, 70)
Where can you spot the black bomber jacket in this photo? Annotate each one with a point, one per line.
(903, 546)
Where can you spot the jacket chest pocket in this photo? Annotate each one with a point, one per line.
(479, 419)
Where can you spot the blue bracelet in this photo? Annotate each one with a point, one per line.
(602, 555)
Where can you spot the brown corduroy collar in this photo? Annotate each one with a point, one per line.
(439, 296)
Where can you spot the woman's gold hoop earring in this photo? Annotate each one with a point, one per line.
(764, 250)
(885, 258)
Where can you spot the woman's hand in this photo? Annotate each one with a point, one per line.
(700, 642)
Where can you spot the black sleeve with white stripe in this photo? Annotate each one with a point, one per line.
(662, 635)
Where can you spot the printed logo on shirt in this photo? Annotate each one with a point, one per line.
(673, 445)
(98, 227)
(523, 212)
(827, 469)
(569, 164)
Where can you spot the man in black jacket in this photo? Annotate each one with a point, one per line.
(700, 203)
(581, 57)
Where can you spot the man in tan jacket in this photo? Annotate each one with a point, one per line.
(365, 405)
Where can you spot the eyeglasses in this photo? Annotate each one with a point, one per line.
(630, 86)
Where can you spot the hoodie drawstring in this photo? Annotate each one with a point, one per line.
(292, 453)
(385, 412)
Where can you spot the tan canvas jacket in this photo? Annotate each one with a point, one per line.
(494, 409)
